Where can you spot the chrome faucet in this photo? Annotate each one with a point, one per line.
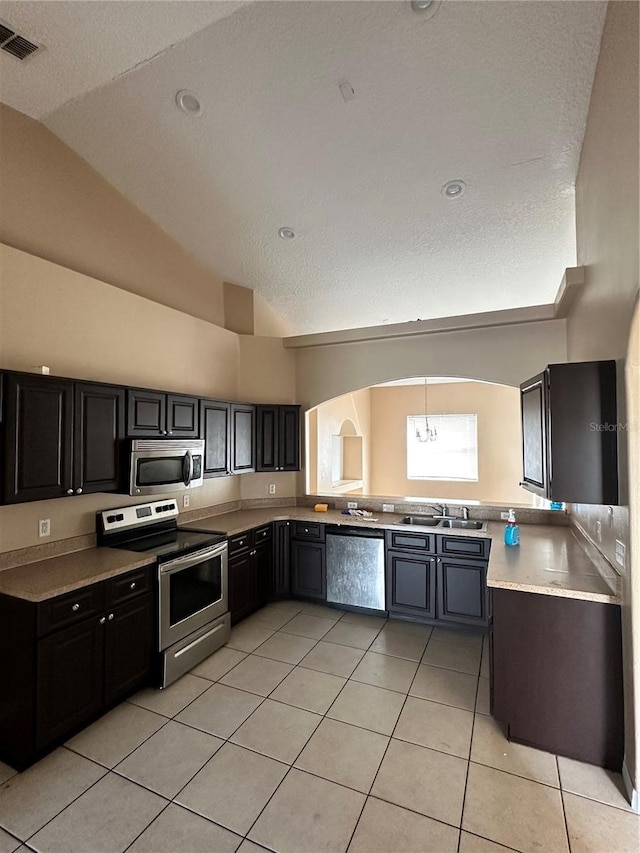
(465, 512)
(444, 510)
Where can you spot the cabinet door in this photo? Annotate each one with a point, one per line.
(214, 429)
(263, 556)
(70, 679)
(411, 584)
(129, 645)
(98, 432)
(462, 591)
(146, 413)
(182, 416)
(38, 461)
(267, 438)
(280, 582)
(533, 404)
(308, 570)
(243, 452)
(243, 586)
(289, 438)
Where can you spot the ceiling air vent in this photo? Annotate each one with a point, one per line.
(15, 44)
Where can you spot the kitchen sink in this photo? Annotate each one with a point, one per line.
(432, 521)
(463, 523)
(423, 520)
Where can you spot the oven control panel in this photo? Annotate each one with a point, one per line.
(139, 515)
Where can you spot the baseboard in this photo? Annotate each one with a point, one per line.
(632, 792)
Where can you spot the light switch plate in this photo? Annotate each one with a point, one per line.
(44, 527)
(272, 488)
(388, 508)
(504, 516)
(186, 500)
(352, 504)
(621, 552)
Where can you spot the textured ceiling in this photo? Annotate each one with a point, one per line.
(90, 43)
(493, 93)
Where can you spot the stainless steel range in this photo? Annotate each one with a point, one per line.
(193, 610)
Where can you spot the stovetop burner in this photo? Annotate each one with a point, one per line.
(152, 528)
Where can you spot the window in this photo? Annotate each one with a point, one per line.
(452, 456)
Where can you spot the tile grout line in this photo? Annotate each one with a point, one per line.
(564, 811)
(466, 779)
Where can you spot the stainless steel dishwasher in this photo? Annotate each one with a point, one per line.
(355, 567)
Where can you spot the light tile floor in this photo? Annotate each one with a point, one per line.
(315, 731)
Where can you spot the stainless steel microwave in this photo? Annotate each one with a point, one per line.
(165, 465)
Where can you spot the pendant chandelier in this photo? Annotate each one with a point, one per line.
(424, 432)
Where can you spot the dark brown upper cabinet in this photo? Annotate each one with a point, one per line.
(243, 434)
(569, 433)
(278, 438)
(214, 428)
(153, 414)
(60, 438)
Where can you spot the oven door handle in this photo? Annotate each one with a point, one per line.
(187, 468)
(190, 560)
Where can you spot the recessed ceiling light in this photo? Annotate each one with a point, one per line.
(453, 189)
(286, 233)
(426, 8)
(188, 102)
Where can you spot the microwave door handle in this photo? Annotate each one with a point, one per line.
(187, 468)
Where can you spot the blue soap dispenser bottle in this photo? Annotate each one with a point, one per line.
(512, 531)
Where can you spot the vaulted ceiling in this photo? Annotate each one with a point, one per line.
(494, 94)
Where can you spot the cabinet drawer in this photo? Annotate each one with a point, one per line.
(464, 547)
(70, 608)
(404, 541)
(125, 587)
(239, 542)
(308, 530)
(262, 534)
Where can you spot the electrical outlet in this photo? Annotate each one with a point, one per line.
(504, 516)
(599, 530)
(186, 500)
(388, 508)
(272, 488)
(620, 553)
(352, 504)
(44, 527)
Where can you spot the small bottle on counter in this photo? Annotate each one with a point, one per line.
(512, 531)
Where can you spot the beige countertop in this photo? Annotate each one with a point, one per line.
(57, 575)
(550, 560)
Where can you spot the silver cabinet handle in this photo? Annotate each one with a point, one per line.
(132, 585)
(110, 617)
(78, 491)
(69, 491)
(170, 432)
(75, 607)
(102, 620)
(306, 530)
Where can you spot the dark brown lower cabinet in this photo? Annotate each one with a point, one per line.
(463, 597)
(70, 679)
(308, 570)
(250, 576)
(70, 658)
(556, 675)
(128, 647)
(281, 580)
(243, 586)
(411, 584)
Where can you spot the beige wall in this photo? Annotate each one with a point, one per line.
(84, 328)
(499, 441)
(330, 417)
(607, 229)
(507, 354)
(61, 209)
